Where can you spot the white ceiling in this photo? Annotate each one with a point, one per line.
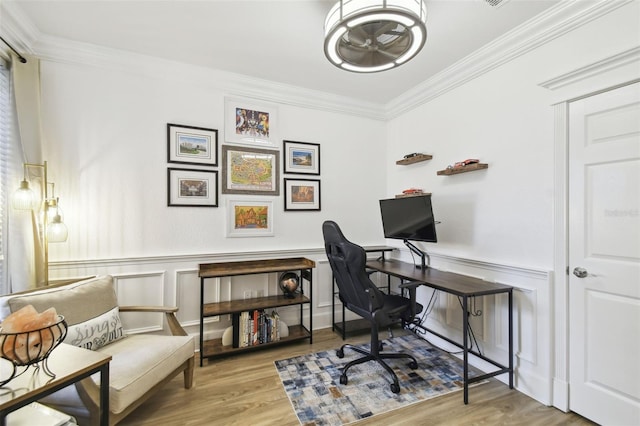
(280, 41)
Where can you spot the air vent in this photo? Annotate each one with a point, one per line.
(495, 3)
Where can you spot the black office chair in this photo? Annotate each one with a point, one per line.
(360, 295)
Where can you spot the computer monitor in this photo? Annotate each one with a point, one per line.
(409, 218)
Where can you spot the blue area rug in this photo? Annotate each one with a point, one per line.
(312, 382)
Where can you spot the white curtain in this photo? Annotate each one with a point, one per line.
(25, 251)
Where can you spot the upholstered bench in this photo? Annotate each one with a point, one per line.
(141, 363)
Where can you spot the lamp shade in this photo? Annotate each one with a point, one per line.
(374, 35)
(57, 231)
(24, 197)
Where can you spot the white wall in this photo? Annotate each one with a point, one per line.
(504, 118)
(106, 143)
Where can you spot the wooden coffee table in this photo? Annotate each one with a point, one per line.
(70, 364)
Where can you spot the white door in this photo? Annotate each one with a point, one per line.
(604, 256)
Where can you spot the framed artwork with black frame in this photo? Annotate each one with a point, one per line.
(252, 171)
(302, 194)
(192, 145)
(192, 188)
(301, 158)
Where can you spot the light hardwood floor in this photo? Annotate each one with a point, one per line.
(245, 390)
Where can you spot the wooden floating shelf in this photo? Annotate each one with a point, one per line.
(415, 194)
(414, 159)
(465, 169)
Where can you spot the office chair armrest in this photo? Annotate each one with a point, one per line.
(411, 285)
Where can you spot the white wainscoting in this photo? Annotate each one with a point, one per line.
(174, 281)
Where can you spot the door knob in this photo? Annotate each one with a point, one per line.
(580, 272)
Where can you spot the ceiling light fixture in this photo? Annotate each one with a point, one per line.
(374, 35)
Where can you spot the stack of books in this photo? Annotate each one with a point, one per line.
(255, 327)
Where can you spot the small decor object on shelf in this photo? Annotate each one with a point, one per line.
(464, 163)
(28, 337)
(414, 157)
(468, 165)
(412, 192)
(289, 283)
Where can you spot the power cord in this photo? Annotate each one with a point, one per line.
(418, 326)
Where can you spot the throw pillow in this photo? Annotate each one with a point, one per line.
(90, 309)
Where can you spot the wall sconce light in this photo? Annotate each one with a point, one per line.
(53, 228)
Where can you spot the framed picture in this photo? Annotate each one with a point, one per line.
(248, 122)
(301, 158)
(301, 195)
(192, 145)
(192, 188)
(249, 218)
(252, 171)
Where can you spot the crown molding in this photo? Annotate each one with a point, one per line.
(17, 28)
(630, 56)
(556, 21)
(62, 50)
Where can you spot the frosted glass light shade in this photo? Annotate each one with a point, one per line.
(24, 197)
(57, 231)
(374, 35)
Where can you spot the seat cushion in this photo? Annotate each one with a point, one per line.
(140, 362)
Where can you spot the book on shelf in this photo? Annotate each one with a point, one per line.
(255, 327)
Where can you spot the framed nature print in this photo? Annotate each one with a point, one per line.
(192, 188)
(301, 158)
(301, 195)
(249, 218)
(192, 145)
(251, 171)
(249, 122)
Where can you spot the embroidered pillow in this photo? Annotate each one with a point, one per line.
(89, 307)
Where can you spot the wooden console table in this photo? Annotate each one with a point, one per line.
(464, 287)
(214, 348)
(70, 364)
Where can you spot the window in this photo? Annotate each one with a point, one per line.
(5, 174)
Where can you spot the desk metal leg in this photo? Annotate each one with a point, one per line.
(465, 350)
(201, 320)
(104, 395)
(510, 339)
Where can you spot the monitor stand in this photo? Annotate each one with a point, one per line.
(423, 255)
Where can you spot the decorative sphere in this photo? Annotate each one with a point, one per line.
(289, 283)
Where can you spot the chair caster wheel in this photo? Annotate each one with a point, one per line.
(395, 388)
(340, 353)
(413, 365)
(343, 379)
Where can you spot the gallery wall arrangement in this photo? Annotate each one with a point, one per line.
(249, 164)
